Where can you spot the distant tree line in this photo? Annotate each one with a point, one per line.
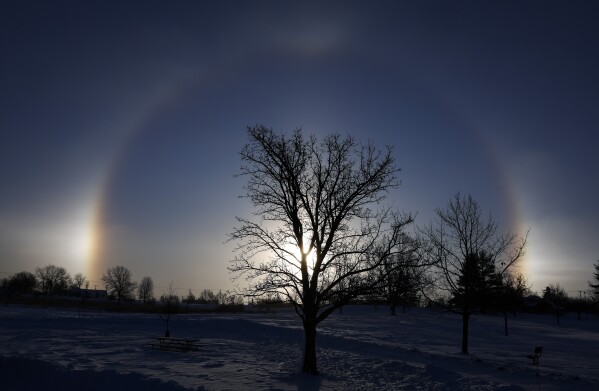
(55, 282)
(47, 280)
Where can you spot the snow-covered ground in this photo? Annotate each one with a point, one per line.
(359, 349)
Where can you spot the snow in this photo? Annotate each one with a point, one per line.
(362, 348)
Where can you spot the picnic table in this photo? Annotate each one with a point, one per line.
(176, 344)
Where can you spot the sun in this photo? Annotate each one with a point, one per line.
(80, 243)
(78, 237)
(295, 253)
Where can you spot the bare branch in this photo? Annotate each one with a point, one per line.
(319, 228)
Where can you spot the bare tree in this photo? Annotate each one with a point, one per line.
(145, 290)
(53, 279)
(228, 299)
(170, 305)
(78, 280)
(206, 296)
(119, 283)
(320, 225)
(402, 276)
(514, 287)
(556, 297)
(469, 253)
(190, 299)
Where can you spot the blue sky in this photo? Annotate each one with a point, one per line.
(122, 122)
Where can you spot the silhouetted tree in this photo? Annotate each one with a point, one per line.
(318, 222)
(221, 297)
(4, 288)
(190, 299)
(170, 305)
(478, 283)
(513, 289)
(228, 298)
(78, 281)
(53, 279)
(578, 305)
(557, 299)
(402, 276)
(145, 290)
(206, 296)
(23, 282)
(269, 300)
(595, 284)
(20, 283)
(118, 283)
(470, 254)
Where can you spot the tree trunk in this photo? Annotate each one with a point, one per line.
(465, 319)
(392, 309)
(310, 347)
(505, 322)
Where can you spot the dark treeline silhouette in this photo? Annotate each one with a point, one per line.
(53, 286)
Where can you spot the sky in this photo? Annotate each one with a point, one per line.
(121, 122)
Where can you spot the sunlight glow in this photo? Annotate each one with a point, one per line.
(296, 252)
(78, 243)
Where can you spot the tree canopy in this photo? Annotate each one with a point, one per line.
(319, 224)
(119, 283)
(53, 279)
(471, 255)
